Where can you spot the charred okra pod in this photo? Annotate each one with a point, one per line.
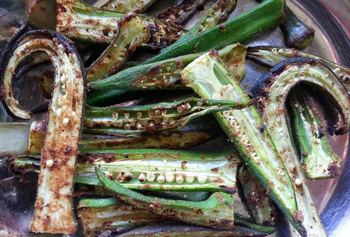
(280, 81)
(133, 120)
(132, 32)
(166, 74)
(99, 215)
(318, 160)
(271, 56)
(265, 16)
(215, 212)
(150, 169)
(218, 13)
(259, 204)
(53, 207)
(211, 80)
(78, 20)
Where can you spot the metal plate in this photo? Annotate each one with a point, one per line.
(331, 20)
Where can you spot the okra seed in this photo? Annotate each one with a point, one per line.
(126, 115)
(168, 68)
(150, 177)
(63, 88)
(301, 76)
(132, 123)
(49, 163)
(180, 12)
(58, 112)
(63, 79)
(202, 179)
(189, 179)
(297, 182)
(179, 109)
(139, 126)
(187, 106)
(65, 121)
(179, 179)
(139, 115)
(280, 51)
(126, 125)
(164, 111)
(111, 34)
(150, 114)
(337, 70)
(142, 177)
(226, 113)
(128, 177)
(161, 178)
(169, 177)
(216, 96)
(157, 112)
(115, 115)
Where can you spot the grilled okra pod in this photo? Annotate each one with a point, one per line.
(318, 160)
(132, 32)
(217, 13)
(53, 207)
(133, 120)
(211, 80)
(244, 27)
(166, 74)
(271, 56)
(78, 20)
(99, 215)
(215, 212)
(280, 81)
(155, 169)
(259, 204)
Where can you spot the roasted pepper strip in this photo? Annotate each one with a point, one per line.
(215, 212)
(211, 80)
(280, 81)
(318, 159)
(53, 208)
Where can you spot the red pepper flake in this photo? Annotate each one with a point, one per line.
(223, 28)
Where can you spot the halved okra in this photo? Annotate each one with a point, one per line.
(216, 211)
(154, 169)
(259, 204)
(245, 128)
(271, 56)
(280, 80)
(53, 207)
(78, 20)
(318, 160)
(99, 215)
(132, 32)
(133, 120)
(166, 74)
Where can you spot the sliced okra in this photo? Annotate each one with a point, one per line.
(53, 213)
(166, 74)
(280, 81)
(78, 20)
(99, 215)
(133, 120)
(211, 80)
(318, 159)
(271, 56)
(259, 204)
(215, 212)
(155, 169)
(132, 32)
(138, 6)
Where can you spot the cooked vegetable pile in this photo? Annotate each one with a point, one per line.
(148, 129)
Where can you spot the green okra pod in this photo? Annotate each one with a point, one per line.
(134, 120)
(215, 212)
(280, 80)
(259, 204)
(271, 56)
(153, 169)
(318, 160)
(166, 74)
(267, 15)
(245, 128)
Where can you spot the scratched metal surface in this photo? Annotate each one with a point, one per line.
(331, 19)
